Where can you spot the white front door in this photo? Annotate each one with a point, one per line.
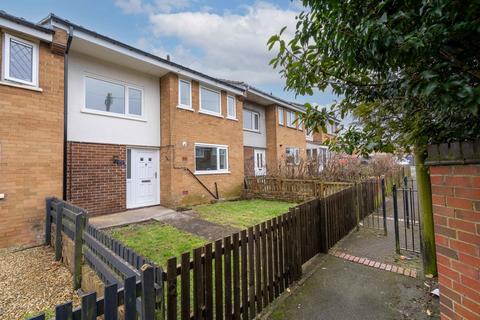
(142, 178)
(260, 165)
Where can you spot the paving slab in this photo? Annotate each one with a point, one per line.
(340, 289)
(129, 217)
(186, 221)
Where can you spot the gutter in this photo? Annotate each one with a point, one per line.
(65, 110)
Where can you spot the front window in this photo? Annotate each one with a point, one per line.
(20, 63)
(291, 118)
(251, 120)
(309, 134)
(211, 158)
(184, 94)
(209, 101)
(280, 116)
(111, 97)
(293, 155)
(232, 110)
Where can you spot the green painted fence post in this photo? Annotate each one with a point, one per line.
(58, 230)
(78, 245)
(48, 221)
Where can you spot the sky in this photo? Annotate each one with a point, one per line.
(222, 38)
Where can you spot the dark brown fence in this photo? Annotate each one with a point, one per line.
(238, 276)
(232, 278)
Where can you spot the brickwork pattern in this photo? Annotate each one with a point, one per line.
(94, 182)
(456, 209)
(31, 152)
(249, 161)
(180, 130)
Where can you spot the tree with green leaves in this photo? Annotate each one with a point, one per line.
(408, 72)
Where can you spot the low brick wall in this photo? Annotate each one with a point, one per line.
(455, 180)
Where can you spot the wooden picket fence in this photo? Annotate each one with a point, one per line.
(291, 189)
(238, 276)
(233, 278)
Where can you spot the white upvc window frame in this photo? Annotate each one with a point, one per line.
(218, 147)
(6, 60)
(281, 116)
(254, 113)
(296, 155)
(180, 105)
(126, 87)
(234, 115)
(309, 134)
(293, 116)
(209, 112)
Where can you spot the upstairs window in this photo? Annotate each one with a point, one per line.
(309, 134)
(231, 108)
(280, 116)
(291, 118)
(110, 97)
(184, 94)
(210, 101)
(251, 120)
(20, 61)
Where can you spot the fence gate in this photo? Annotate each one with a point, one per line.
(406, 216)
(373, 192)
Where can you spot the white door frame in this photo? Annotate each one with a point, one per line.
(257, 170)
(131, 201)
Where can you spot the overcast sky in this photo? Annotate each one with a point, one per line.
(225, 39)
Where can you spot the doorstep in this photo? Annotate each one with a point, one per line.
(129, 217)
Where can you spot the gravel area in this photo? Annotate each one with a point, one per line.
(32, 282)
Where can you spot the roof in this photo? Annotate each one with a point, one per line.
(281, 101)
(24, 22)
(66, 22)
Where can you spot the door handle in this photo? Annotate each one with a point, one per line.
(145, 181)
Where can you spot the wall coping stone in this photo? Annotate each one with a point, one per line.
(454, 153)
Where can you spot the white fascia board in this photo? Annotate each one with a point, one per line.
(276, 101)
(7, 24)
(122, 50)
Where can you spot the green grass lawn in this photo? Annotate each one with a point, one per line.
(157, 241)
(244, 213)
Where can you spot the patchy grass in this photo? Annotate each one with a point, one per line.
(243, 213)
(157, 241)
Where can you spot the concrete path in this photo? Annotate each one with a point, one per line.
(129, 217)
(340, 289)
(187, 221)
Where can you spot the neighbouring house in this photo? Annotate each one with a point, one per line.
(131, 129)
(31, 126)
(270, 133)
(455, 178)
(316, 149)
(143, 130)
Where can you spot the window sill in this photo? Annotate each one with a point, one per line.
(21, 86)
(185, 108)
(112, 115)
(251, 130)
(218, 115)
(233, 119)
(199, 173)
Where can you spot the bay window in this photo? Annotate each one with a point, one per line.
(211, 158)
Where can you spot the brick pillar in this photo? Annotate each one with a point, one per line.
(456, 209)
(271, 123)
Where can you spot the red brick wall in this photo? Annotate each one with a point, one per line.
(31, 156)
(94, 182)
(249, 161)
(456, 209)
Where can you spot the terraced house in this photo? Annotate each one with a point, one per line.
(131, 129)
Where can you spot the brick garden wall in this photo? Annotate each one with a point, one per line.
(456, 208)
(31, 150)
(94, 182)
